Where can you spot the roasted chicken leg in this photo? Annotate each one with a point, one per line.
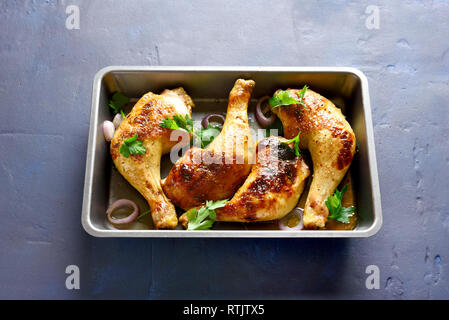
(216, 172)
(325, 132)
(273, 187)
(143, 170)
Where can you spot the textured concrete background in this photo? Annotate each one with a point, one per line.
(46, 74)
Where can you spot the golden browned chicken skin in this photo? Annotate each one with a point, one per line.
(331, 142)
(196, 178)
(143, 170)
(273, 187)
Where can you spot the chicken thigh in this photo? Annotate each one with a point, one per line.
(216, 172)
(143, 170)
(331, 142)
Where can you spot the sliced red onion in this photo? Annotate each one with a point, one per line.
(216, 116)
(120, 204)
(108, 130)
(117, 120)
(260, 113)
(292, 221)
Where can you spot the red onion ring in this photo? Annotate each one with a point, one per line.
(123, 203)
(206, 119)
(260, 114)
(292, 217)
(108, 130)
(117, 120)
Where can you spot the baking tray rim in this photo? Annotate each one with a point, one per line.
(90, 160)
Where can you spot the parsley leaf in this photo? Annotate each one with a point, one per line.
(208, 135)
(301, 95)
(205, 136)
(118, 100)
(212, 205)
(285, 98)
(143, 215)
(132, 146)
(169, 124)
(336, 211)
(178, 122)
(276, 125)
(184, 122)
(296, 145)
(204, 217)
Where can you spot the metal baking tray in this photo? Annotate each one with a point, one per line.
(209, 88)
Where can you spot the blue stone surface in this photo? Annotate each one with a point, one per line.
(46, 74)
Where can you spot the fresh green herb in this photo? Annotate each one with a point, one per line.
(277, 125)
(178, 122)
(296, 145)
(132, 146)
(122, 114)
(282, 98)
(285, 98)
(208, 135)
(204, 136)
(143, 215)
(204, 217)
(301, 95)
(118, 100)
(336, 210)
